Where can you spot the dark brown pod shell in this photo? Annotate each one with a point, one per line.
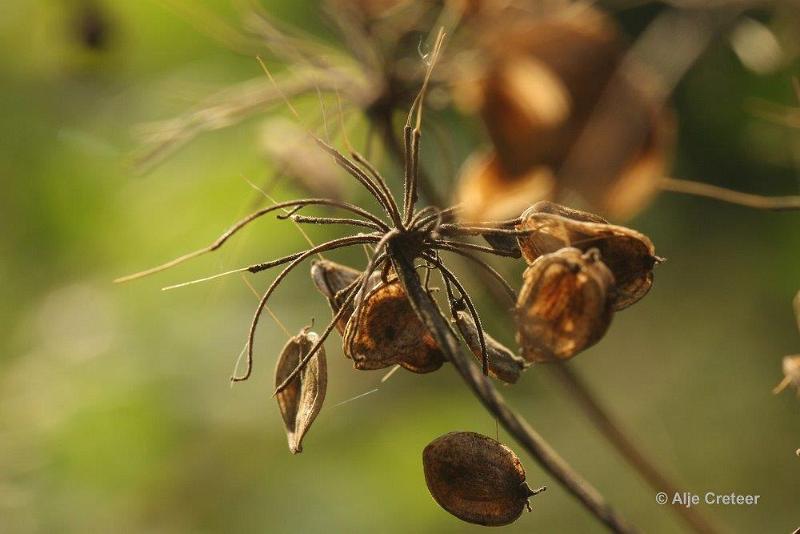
(385, 331)
(301, 400)
(475, 478)
(503, 364)
(630, 255)
(564, 306)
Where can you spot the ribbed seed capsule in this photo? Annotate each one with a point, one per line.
(477, 479)
(503, 364)
(629, 254)
(384, 331)
(564, 306)
(301, 400)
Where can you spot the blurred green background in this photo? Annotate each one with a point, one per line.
(116, 413)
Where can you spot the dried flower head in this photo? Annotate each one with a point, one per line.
(503, 364)
(565, 305)
(477, 479)
(301, 400)
(385, 330)
(630, 255)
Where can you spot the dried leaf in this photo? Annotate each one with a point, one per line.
(565, 305)
(475, 478)
(385, 331)
(503, 364)
(301, 400)
(629, 254)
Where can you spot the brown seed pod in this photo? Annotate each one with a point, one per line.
(629, 255)
(565, 305)
(503, 364)
(385, 331)
(301, 400)
(331, 278)
(477, 479)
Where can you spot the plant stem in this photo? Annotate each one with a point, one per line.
(483, 388)
(750, 200)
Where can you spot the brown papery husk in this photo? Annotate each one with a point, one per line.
(384, 331)
(503, 364)
(475, 478)
(331, 278)
(301, 400)
(630, 255)
(565, 305)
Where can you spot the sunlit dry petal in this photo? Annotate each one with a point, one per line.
(503, 364)
(564, 306)
(475, 478)
(301, 400)
(385, 331)
(629, 255)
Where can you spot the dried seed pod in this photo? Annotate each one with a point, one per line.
(477, 479)
(791, 374)
(503, 364)
(565, 305)
(331, 278)
(385, 331)
(301, 400)
(629, 255)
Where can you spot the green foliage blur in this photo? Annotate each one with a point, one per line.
(116, 412)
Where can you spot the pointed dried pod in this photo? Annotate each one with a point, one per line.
(503, 364)
(565, 305)
(477, 479)
(385, 331)
(630, 255)
(301, 400)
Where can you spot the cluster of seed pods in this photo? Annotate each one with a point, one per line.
(581, 270)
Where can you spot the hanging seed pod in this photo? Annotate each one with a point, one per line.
(477, 479)
(503, 364)
(385, 331)
(629, 254)
(565, 305)
(301, 400)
